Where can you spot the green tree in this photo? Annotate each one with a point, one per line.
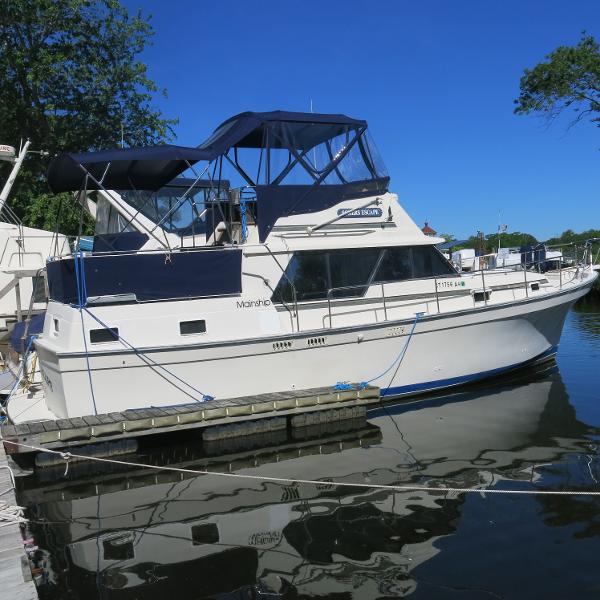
(72, 81)
(569, 79)
(447, 236)
(514, 239)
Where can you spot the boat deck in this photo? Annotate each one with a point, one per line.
(15, 575)
(218, 419)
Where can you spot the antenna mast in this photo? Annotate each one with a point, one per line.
(13, 174)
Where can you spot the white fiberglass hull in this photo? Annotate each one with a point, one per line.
(445, 350)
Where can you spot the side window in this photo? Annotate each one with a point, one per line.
(352, 270)
(396, 265)
(348, 273)
(417, 262)
(429, 262)
(422, 266)
(315, 273)
(308, 272)
(39, 288)
(190, 327)
(104, 335)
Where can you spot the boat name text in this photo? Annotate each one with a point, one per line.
(346, 213)
(253, 303)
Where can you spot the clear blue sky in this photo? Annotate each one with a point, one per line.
(435, 80)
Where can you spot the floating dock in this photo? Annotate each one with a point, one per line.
(118, 432)
(16, 580)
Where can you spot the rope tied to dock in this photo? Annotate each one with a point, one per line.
(19, 376)
(344, 385)
(338, 484)
(11, 514)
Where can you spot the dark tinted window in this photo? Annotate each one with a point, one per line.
(39, 288)
(104, 335)
(396, 265)
(412, 263)
(428, 262)
(313, 273)
(352, 270)
(120, 548)
(205, 533)
(187, 327)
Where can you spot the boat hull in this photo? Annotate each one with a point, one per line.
(444, 350)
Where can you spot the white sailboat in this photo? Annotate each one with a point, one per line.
(23, 255)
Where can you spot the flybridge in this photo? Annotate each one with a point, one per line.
(288, 164)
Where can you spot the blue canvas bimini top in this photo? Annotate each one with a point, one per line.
(146, 168)
(302, 130)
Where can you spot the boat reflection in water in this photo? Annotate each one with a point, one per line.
(107, 532)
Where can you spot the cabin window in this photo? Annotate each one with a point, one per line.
(313, 273)
(205, 533)
(481, 296)
(108, 220)
(418, 262)
(189, 327)
(104, 335)
(119, 547)
(348, 273)
(39, 289)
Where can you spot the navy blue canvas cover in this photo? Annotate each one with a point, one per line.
(147, 168)
(34, 326)
(302, 130)
(155, 276)
(275, 201)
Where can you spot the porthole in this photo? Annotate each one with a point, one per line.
(191, 327)
(98, 336)
(481, 296)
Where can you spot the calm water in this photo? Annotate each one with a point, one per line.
(116, 534)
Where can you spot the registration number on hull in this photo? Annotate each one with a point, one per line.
(451, 284)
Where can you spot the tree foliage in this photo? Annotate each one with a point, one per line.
(570, 237)
(569, 79)
(72, 81)
(491, 243)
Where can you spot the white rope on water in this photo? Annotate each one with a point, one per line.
(341, 484)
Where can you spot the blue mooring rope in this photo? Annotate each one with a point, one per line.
(243, 218)
(80, 280)
(144, 356)
(344, 385)
(82, 306)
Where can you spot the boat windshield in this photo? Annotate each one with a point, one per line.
(297, 149)
(353, 162)
(173, 207)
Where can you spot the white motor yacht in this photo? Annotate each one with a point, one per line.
(309, 273)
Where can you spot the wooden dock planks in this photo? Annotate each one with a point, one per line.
(92, 429)
(15, 575)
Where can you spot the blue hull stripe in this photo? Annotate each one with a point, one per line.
(443, 383)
